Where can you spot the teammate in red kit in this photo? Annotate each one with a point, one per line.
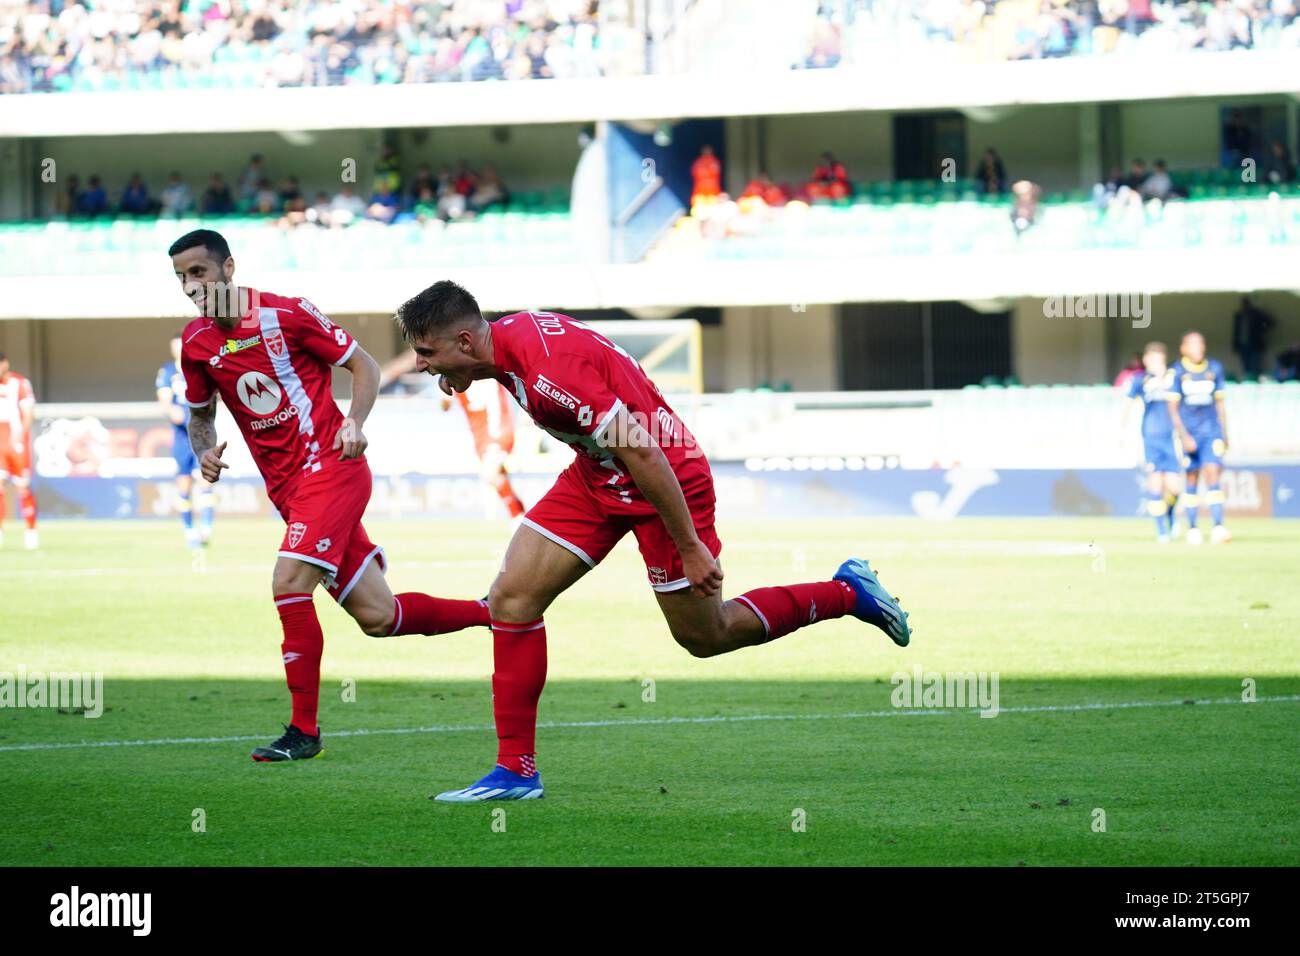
(17, 414)
(270, 358)
(638, 470)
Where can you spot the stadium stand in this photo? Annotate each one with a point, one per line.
(859, 31)
(56, 46)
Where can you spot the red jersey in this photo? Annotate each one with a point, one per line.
(572, 382)
(273, 372)
(16, 398)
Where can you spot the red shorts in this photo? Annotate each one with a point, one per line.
(323, 525)
(577, 517)
(16, 465)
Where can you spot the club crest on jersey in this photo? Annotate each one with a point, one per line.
(545, 386)
(658, 576)
(275, 343)
(296, 531)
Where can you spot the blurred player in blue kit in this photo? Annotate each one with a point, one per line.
(170, 387)
(1199, 419)
(1153, 390)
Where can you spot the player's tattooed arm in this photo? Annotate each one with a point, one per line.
(350, 442)
(203, 439)
(649, 468)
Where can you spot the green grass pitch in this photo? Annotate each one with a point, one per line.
(1077, 617)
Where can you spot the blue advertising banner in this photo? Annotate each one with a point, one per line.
(744, 491)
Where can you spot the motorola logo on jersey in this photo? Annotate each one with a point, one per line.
(259, 393)
(286, 413)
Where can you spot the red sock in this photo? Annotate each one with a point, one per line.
(784, 609)
(416, 613)
(519, 652)
(507, 494)
(28, 502)
(303, 643)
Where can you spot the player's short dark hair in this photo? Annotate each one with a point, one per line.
(433, 310)
(1155, 347)
(211, 240)
(1191, 332)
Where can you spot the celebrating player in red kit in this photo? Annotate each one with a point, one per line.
(637, 469)
(270, 358)
(17, 413)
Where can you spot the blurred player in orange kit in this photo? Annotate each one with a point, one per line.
(17, 413)
(706, 177)
(487, 409)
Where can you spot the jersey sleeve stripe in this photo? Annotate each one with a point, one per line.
(608, 419)
(342, 359)
(211, 398)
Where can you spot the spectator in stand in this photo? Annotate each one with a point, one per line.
(266, 201)
(465, 180)
(706, 177)
(388, 170)
(135, 198)
(762, 187)
(426, 205)
(250, 181)
(489, 191)
(423, 180)
(451, 203)
(1158, 185)
(217, 200)
(319, 213)
(295, 213)
(1288, 363)
(290, 193)
(346, 208)
(1024, 206)
(1237, 140)
(992, 174)
(1251, 326)
(830, 180)
(383, 204)
(1137, 175)
(176, 197)
(1277, 168)
(65, 200)
(1103, 194)
(1134, 367)
(94, 200)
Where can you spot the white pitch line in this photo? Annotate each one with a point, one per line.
(664, 721)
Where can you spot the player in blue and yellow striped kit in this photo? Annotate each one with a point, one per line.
(1196, 409)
